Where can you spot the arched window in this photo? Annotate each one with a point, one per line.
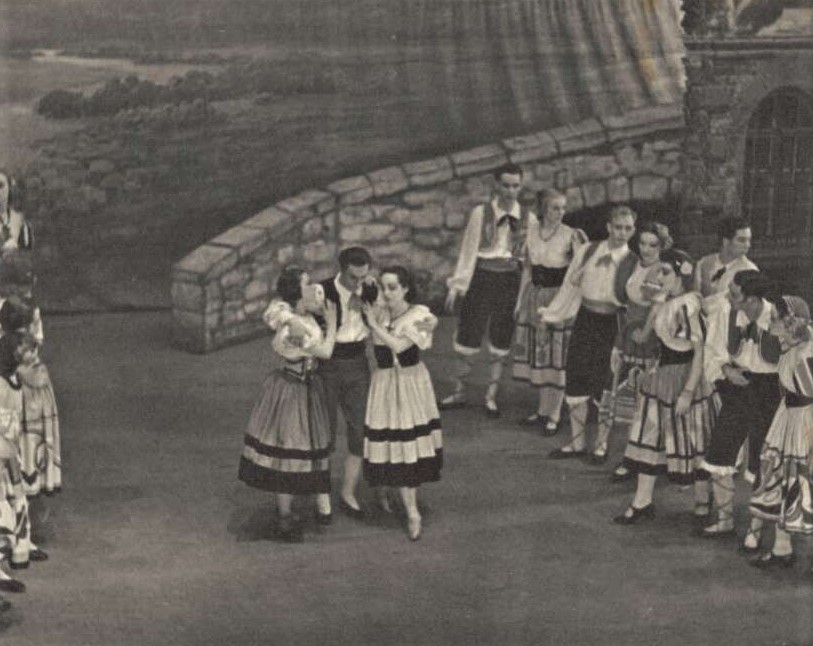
(778, 178)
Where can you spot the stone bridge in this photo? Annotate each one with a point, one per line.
(414, 214)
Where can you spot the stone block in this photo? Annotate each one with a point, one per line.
(649, 187)
(355, 215)
(479, 160)
(546, 172)
(388, 181)
(313, 229)
(595, 167)
(480, 188)
(255, 308)
(718, 147)
(352, 190)
(286, 254)
(245, 240)
(208, 260)
(233, 314)
(618, 189)
(429, 217)
(424, 260)
(401, 234)
(271, 218)
(455, 220)
(531, 148)
(420, 198)
(395, 251)
(315, 201)
(429, 171)
(187, 296)
(563, 179)
(188, 332)
(644, 121)
(356, 233)
(574, 199)
(400, 216)
(238, 276)
(257, 289)
(580, 136)
(431, 239)
(319, 251)
(594, 193)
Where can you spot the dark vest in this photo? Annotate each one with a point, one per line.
(623, 273)
(488, 230)
(767, 343)
(369, 294)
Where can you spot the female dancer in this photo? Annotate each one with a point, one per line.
(15, 232)
(288, 439)
(540, 357)
(676, 406)
(636, 351)
(783, 489)
(403, 445)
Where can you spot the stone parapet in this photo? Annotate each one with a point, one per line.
(414, 214)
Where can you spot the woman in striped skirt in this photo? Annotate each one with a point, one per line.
(676, 407)
(403, 444)
(288, 440)
(540, 358)
(783, 492)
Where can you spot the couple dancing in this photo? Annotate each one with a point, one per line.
(393, 426)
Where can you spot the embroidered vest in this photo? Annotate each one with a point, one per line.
(623, 273)
(488, 231)
(767, 344)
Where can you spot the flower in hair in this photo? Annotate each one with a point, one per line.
(686, 268)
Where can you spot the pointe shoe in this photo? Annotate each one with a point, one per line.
(324, 519)
(551, 428)
(533, 421)
(717, 530)
(567, 452)
(37, 555)
(455, 400)
(492, 411)
(414, 528)
(347, 509)
(637, 514)
(598, 456)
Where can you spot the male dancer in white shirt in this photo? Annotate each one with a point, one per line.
(487, 277)
(715, 272)
(740, 358)
(347, 373)
(599, 273)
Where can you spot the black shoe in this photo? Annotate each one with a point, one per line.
(770, 560)
(492, 413)
(533, 421)
(11, 585)
(550, 429)
(597, 459)
(324, 519)
(644, 513)
(21, 565)
(452, 402)
(561, 454)
(38, 555)
(5, 605)
(348, 510)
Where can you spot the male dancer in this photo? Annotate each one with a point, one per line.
(599, 272)
(347, 373)
(487, 276)
(741, 359)
(715, 272)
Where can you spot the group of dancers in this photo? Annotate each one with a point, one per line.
(30, 451)
(720, 365)
(394, 436)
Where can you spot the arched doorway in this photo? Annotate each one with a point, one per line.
(778, 174)
(777, 197)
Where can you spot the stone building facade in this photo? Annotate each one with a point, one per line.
(749, 143)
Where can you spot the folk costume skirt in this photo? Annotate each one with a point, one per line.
(288, 439)
(660, 440)
(782, 492)
(403, 442)
(40, 442)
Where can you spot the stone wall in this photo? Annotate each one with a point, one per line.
(414, 214)
(726, 80)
